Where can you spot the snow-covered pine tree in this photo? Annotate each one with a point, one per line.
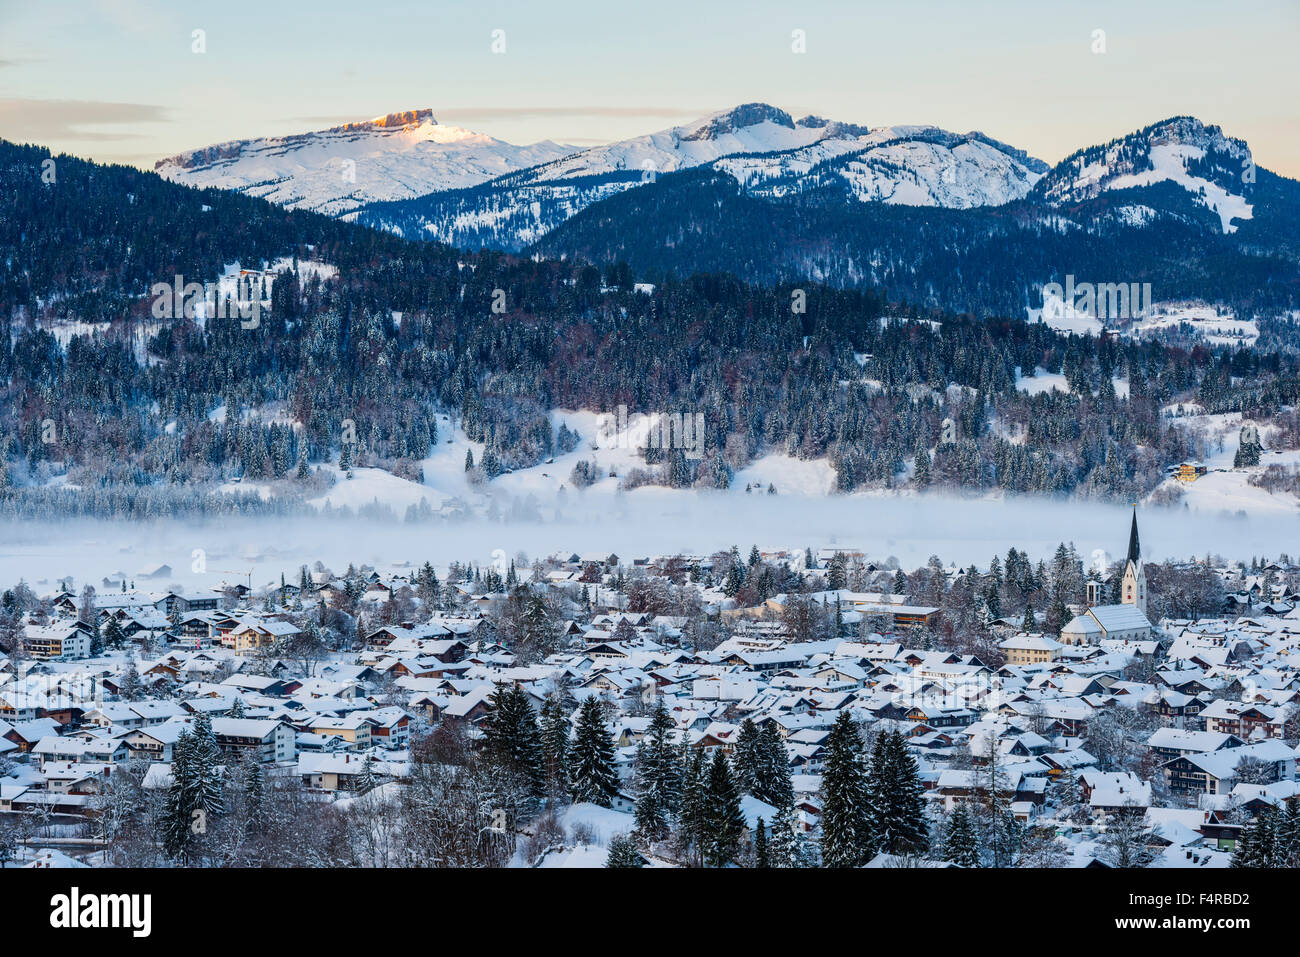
(785, 847)
(960, 845)
(555, 746)
(690, 820)
(749, 757)
(774, 783)
(659, 778)
(1258, 845)
(623, 853)
(845, 814)
(722, 820)
(513, 740)
(896, 809)
(591, 761)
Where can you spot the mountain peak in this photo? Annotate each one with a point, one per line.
(389, 121)
(1216, 170)
(738, 118)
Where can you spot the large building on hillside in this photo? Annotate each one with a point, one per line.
(1126, 621)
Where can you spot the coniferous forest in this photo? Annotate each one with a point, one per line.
(122, 403)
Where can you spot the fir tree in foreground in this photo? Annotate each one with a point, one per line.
(592, 775)
(555, 746)
(623, 853)
(659, 778)
(896, 809)
(194, 798)
(845, 815)
(761, 857)
(722, 820)
(1261, 842)
(513, 739)
(960, 845)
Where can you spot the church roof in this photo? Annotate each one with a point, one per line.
(1082, 625)
(1119, 617)
(1134, 546)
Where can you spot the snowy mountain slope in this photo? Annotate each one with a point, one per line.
(1217, 171)
(335, 171)
(766, 150)
(902, 165)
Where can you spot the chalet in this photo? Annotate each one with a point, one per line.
(1170, 743)
(255, 635)
(1214, 772)
(265, 741)
(1237, 718)
(57, 642)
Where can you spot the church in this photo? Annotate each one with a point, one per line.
(1126, 621)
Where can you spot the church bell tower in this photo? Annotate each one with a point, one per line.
(1133, 588)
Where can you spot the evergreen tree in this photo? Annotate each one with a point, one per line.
(845, 814)
(960, 845)
(837, 572)
(785, 846)
(659, 778)
(1258, 845)
(749, 757)
(113, 636)
(194, 798)
(896, 807)
(723, 823)
(623, 853)
(366, 780)
(131, 689)
(761, 858)
(690, 822)
(513, 740)
(555, 745)
(592, 776)
(255, 794)
(773, 784)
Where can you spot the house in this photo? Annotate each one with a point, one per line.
(1215, 772)
(62, 642)
(263, 740)
(254, 635)
(328, 771)
(1031, 649)
(389, 727)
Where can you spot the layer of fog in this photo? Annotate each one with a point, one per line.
(648, 522)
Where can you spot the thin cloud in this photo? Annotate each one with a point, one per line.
(520, 113)
(45, 121)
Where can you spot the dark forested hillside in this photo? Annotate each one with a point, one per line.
(124, 409)
(989, 261)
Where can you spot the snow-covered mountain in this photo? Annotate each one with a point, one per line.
(764, 148)
(900, 165)
(335, 171)
(1216, 170)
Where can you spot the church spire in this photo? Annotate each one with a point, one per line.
(1134, 546)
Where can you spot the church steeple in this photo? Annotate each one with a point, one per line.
(1134, 546)
(1133, 588)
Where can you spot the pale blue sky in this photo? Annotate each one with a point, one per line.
(116, 80)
